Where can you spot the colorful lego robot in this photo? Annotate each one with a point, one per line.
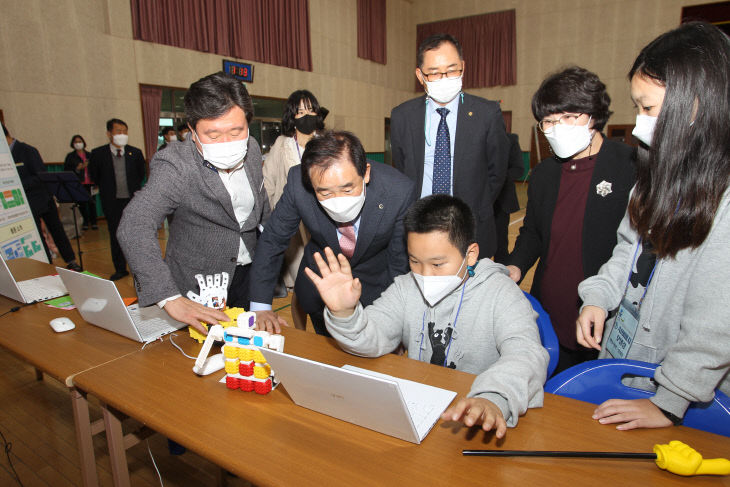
(245, 365)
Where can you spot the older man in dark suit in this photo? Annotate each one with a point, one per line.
(118, 169)
(452, 142)
(345, 203)
(211, 189)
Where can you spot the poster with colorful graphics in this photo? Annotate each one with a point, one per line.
(19, 236)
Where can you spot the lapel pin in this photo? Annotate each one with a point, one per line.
(603, 188)
(380, 206)
(470, 113)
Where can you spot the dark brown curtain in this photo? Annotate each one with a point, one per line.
(151, 101)
(489, 45)
(371, 30)
(269, 31)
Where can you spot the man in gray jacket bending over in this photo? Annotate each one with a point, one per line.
(211, 188)
(451, 310)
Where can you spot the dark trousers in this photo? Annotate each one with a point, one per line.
(88, 209)
(113, 210)
(569, 358)
(238, 290)
(49, 215)
(501, 223)
(318, 323)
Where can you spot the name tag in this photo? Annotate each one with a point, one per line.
(623, 331)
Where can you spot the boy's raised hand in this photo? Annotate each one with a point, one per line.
(477, 410)
(339, 291)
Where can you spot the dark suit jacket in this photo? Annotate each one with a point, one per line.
(481, 149)
(204, 234)
(28, 162)
(380, 250)
(101, 171)
(507, 201)
(615, 164)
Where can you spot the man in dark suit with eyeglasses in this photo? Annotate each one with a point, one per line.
(451, 142)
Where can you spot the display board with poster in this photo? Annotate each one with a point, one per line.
(19, 236)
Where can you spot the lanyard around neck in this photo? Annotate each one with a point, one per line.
(453, 327)
(631, 271)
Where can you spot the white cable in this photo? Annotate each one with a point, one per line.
(178, 347)
(154, 463)
(150, 341)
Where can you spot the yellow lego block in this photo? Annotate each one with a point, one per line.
(230, 352)
(246, 354)
(258, 357)
(261, 372)
(232, 366)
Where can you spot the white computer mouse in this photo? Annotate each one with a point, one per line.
(62, 324)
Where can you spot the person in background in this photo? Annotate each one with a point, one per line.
(345, 203)
(665, 289)
(451, 310)
(302, 119)
(451, 142)
(118, 170)
(211, 189)
(507, 201)
(77, 161)
(29, 164)
(170, 136)
(575, 200)
(182, 132)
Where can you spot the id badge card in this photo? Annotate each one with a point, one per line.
(623, 331)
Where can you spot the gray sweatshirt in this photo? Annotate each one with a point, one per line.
(684, 320)
(495, 335)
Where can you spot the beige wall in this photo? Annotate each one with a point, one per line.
(66, 66)
(600, 35)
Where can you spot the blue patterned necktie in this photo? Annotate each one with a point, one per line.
(442, 157)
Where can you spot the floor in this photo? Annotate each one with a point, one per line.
(36, 420)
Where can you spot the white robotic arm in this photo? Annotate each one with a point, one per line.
(205, 365)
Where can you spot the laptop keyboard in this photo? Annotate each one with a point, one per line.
(150, 328)
(421, 413)
(42, 288)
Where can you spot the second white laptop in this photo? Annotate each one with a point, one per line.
(405, 409)
(100, 304)
(32, 290)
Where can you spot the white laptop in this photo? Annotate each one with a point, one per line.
(100, 304)
(32, 290)
(405, 409)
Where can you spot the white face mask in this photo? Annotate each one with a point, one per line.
(568, 140)
(79, 145)
(224, 155)
(443, 90)
(436, 288)
(120, 140)
(644, 130)
(343, 209)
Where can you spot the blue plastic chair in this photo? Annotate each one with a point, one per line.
(547, 334)
(597, 381)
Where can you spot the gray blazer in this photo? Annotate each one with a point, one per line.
(203, 231)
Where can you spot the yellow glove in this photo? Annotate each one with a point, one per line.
(682, 459)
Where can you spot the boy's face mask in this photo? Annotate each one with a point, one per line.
(436, 288)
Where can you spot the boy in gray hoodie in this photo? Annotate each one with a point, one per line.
(450, 310)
